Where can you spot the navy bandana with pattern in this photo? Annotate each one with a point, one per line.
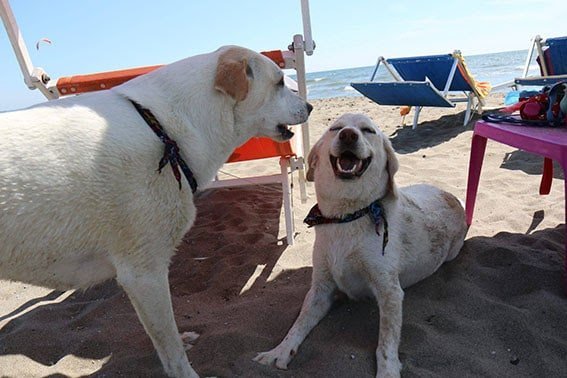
(374, 210)
(171, 154)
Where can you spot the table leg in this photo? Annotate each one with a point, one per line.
(478, 146)
(564, 166)
(547, 177)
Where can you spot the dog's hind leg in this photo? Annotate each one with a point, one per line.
(317, 303)
(148, 290)
(389, 296)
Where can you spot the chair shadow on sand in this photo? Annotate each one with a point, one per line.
(502, 294)
(53, 295)
(406, 140)
(528, 163)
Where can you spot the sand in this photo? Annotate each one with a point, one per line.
(497, 310)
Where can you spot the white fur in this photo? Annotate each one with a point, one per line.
(81, 201)
(426, 228)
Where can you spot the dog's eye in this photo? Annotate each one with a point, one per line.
(335, 128)
(249, 72)
(368, 130)
(281, 82)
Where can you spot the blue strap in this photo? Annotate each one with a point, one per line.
(554, 92)
(507, 118)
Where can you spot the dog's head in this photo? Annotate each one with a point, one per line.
(352, 161)
(263, 104)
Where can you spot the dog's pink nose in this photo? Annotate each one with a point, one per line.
(348, 136)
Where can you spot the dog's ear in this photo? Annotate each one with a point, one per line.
(231, 76)
(392, 166)
(312, 161)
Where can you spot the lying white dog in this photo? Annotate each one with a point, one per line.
(81, 197)
(372, 239)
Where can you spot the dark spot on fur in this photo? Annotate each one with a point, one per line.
(438, 242)
(412, 203)
(406, 239)
(451, 200)
(439, 238)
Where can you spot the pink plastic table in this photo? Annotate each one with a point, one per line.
(548, 142)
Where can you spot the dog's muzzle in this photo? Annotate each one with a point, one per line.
(284, 130)
(347, 165)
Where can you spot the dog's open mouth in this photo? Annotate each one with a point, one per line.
(348, 166)
(285, 132)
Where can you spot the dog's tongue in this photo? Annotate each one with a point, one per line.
(347, 163)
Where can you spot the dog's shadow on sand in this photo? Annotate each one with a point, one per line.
(406, 140)
(498, 307)
(236, 231)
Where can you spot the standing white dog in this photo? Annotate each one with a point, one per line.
(81, 198)
(372, 239)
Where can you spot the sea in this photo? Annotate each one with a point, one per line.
(496, 68)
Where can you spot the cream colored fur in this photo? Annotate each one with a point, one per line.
(426, 228)
(80, 198)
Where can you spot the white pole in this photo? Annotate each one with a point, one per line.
(34, 77)
(309, 44)
(301, 86)
(543, 63)
(529, 57)
(17, 42)
(302, 144)
(288, 209)
(451, 76)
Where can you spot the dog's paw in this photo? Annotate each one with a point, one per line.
(389, 369)
(188, 339)
(278, 357)
(393, 374)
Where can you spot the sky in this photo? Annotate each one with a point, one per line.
(98, 35)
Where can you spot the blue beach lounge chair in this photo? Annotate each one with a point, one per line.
(425, 81)
(552, 60)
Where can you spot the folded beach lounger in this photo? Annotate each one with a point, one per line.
(426, 81)
(552, 60)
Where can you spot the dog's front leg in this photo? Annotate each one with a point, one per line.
(148, 289)
(389, 296)
(317, 303)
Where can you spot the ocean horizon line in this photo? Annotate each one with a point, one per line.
(374, 64)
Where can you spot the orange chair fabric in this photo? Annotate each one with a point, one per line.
(105, 80)
(255, 148)
(260, 148)
(98, 81)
